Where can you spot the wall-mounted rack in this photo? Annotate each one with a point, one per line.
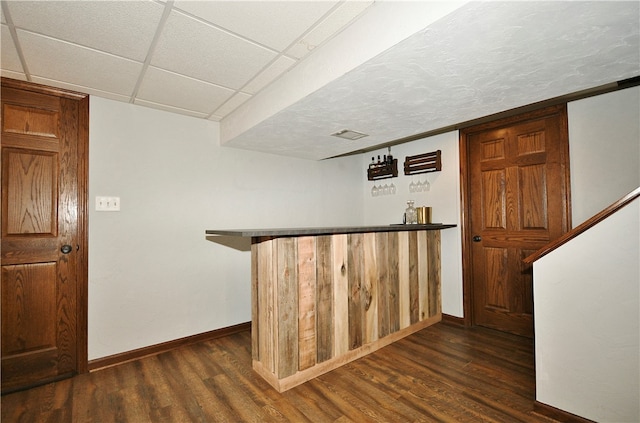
(423, 163)
(383, 170)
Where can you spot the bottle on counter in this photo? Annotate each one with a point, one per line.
(410, 215)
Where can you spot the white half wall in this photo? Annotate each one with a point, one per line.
(587, 318)
(153, 275)
(604, 144)
(443, 196)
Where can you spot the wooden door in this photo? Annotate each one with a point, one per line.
(518, 202)
(44, 140)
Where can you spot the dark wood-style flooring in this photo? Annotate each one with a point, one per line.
(442, 373)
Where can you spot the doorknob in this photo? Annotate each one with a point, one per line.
(66, 249)
(477, 238)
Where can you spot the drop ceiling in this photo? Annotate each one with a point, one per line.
(282, 76)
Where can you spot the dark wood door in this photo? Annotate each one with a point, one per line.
(518, 202)
(44, 134)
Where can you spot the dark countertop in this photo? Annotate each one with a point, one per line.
(326, 231)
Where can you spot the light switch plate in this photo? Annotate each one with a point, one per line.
(107, 203)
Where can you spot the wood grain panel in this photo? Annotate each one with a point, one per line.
(255, 317)
(394, 282)
(31, 192)
(370, 288)
(307, 302)
(383, 280)
(496, 285)
(28, 317)
(414, 278)
(493, 149)
(512, 204)
(533, 142)
(525, 285)
(340, 295)
(423, 275)
(404, 302)
(324, 297)
(494, 199)
(287, 306)
(266, 321)
(434, 284)
(533, 200)
(30, 121)
(356, 301)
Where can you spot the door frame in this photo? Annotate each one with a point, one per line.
(82, 261)
(465, 192)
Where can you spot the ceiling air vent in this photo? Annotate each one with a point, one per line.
(348, 134)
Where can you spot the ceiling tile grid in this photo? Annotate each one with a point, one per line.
(163, 87)
(10, 59)
(275, 25)
(333, 23)
(130, 30)
(63, 61)
(199, 58)
(193, 48)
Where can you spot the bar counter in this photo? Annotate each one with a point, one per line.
(322, 297)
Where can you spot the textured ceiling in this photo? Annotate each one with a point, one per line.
(216, 60)
(481, 59)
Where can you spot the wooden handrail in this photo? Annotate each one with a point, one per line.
(583, 226)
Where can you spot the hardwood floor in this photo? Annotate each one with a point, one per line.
(442, 373)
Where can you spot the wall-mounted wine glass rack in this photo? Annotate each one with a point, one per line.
(423, 163)
(383, 170)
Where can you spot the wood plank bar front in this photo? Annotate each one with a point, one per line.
(322, 301)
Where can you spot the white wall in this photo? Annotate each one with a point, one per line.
(586, 293)
(153, 275)
(443, 197)
(588, 322)
(604, 134)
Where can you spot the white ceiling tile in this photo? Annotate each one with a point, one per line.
(124, 28)
(65, 62)
(300, 49)
(162, 87)
(277, 68)
(170, 109)
(275, 24)
(232, 104)
(331, 25)
(80, 89)
(198, 50)
(10, 59)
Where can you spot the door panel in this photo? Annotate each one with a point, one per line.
(518, 202)
(31, 179)
(42, 141)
